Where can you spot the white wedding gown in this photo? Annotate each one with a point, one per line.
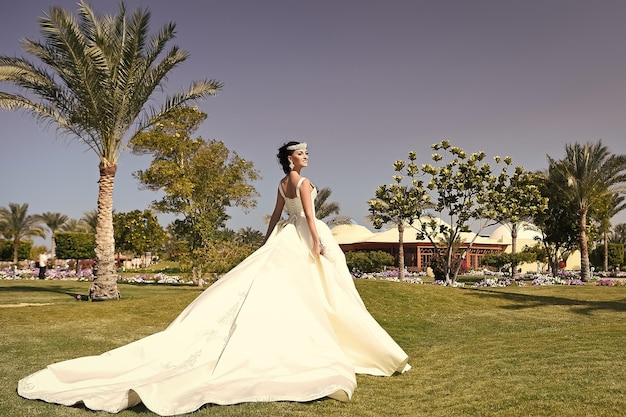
(281, 326)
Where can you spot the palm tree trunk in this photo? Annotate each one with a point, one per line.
(514, 273)
(16, 248)
(401, 252)
(606, 251)
(584, 248)
(104, 285)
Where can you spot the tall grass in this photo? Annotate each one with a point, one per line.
(515, 351)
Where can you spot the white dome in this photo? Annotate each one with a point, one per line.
(524, 232)
(350, 233)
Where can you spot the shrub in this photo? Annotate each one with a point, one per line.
(6, 250)
(369, 261)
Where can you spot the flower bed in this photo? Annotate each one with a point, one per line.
(392, 275)
(86, 275)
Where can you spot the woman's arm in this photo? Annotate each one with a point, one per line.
(307, 205)
(278, 209)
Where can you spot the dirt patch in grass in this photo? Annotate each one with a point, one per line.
(24, 305)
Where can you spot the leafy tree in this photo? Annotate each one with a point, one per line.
(138, 232)
(18, 225)
(54, 222)
(588, 173)
(515, 199)
(509, 260)
(324, 209)
(76, 245)
(399, 203)
(464, 186)
(558, 223)
(200, 179)
(99, 73)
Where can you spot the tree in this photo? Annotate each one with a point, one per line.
(339, 220)
(249, 236)
(99, 74)
(138, 232)
(618, 235)
(614, 253)
(399, 204)
(24, 251)
(515, 199)
(322, 208)
(76, 245)
(613, 204)
(464, 186)
(90, 220)
(18, 225)
(509, 260)
(588, 173)
(558, 223)
(200, 179)
(79, 226)
(55, 222)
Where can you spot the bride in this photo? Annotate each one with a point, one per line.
(286, 324)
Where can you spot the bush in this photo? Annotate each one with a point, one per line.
(75, 245)
(369, 261)
(6, 250)
(220, 257)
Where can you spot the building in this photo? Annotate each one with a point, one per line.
(417, 252)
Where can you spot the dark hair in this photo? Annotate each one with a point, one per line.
(283, 156)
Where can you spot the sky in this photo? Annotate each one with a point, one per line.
(363, 82)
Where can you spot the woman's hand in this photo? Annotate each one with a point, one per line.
(318, 249)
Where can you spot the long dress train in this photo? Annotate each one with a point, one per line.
(281, 326)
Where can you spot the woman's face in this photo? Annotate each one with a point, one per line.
(300, 158)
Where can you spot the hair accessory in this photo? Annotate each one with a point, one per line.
(297, 147)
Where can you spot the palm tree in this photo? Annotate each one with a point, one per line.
(73, 225)
(322, 208)
(18, 225)
(55, 222)
(340, 220)
(90, 221)
(248, 236)
(618, 235)
(589, 173)
(98, 76)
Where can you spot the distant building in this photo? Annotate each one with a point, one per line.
(527, 237)
(417, 252)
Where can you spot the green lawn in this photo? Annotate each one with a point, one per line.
(516, 351)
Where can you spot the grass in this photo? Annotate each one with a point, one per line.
(515, 351)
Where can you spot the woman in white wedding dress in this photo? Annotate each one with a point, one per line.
(286, 324)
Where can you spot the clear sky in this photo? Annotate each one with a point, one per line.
(362, 81)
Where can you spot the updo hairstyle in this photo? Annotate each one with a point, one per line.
(283, 156)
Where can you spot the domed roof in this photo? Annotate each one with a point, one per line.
(350, 233)
(524, 232)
